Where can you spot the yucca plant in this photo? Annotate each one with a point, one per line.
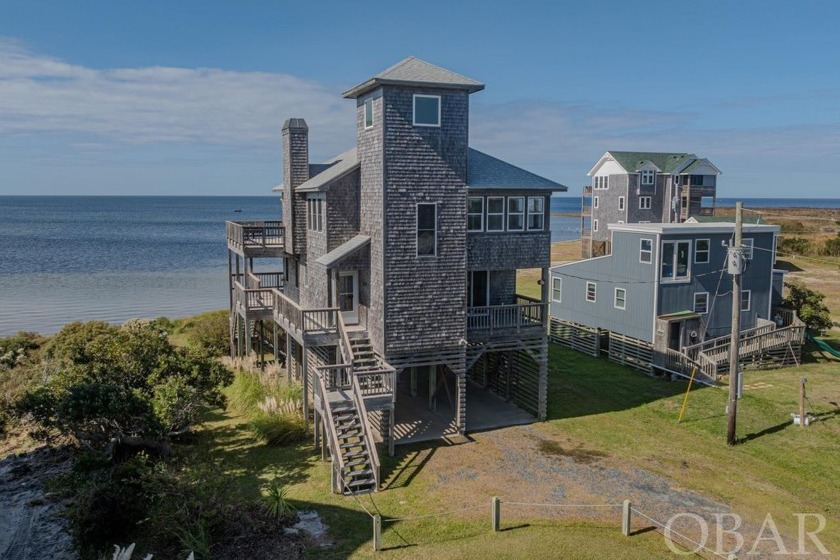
(274, 501)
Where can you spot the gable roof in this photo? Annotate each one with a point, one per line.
(335, 168)
(697, 163)
(415, 72)
(666, 162)
(486, 172)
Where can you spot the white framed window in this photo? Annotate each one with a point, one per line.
(368, 113)
(647, 176)
(426, 110)
(557, 290)
(495, 213)
(701, 251)
(644, 203)
(475, 213)
(646, 251)
(676, 265)
(620, 298)
(516, 213)
(621, 203)
(701, 302)
(426, 229)
(602, 183)
(594, 225)
(536, 213)
(315, 214)
(595, 201)
(746, 300)
(747, 246)
(591, 292)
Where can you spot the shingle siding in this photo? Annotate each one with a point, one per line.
(425, 296)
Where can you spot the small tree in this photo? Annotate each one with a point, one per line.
(809, 306)
(123, 385)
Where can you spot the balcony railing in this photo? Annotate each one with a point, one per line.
(252, 299)
(255, 235)
(525, 313)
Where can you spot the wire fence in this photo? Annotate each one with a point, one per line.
(495, 507)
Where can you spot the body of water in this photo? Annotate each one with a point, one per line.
(115, 258)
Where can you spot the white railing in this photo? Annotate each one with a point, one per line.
(507, 317)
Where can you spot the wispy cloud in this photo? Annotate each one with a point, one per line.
(40, 94)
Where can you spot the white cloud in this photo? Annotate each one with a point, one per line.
(40, 94)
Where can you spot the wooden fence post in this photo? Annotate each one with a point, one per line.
(377, 533)
(495, 513)
(625, 518)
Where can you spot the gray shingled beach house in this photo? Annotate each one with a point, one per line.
(396, 305)
(642, 187)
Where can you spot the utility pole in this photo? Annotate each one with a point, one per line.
(736, 267)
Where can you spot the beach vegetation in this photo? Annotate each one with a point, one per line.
(809, 306)
(123, 385)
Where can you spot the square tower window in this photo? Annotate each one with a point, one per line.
(426, 110)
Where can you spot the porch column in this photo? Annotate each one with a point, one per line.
(432, 387)
(305, 377)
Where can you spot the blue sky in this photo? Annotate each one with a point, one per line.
(104, 97)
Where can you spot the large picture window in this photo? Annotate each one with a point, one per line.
(536, 213)
(495, 213)
(516, 213)
(475, 213)
(426, 230)
(426, 110)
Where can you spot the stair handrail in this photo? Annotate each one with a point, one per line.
(344, 343)
(328, 418)
(368, 429)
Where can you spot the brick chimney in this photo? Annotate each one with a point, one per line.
(295, 172)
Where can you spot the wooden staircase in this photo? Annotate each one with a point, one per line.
(355, 465)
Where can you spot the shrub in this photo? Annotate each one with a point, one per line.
(274, 501)
(795, 245)
(809, 306)
(123, 385)
(832, 247)
(210, 332)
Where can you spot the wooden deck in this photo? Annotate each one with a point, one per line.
(501, 320)
(256, 238)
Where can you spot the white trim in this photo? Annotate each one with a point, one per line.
(554, 281)
(708, 250)
(749, 299)
(675, 279)
(473, 214)
(622, 203)
(647, 173)
(656, 285)
(615, 299)
(414, 109)
(540, 213)
(367, 126)
(351, 317)
(417, 229)
(747, 244)
(601, 161)
(649, 240)
(522, 214)
(686, 228)
(502, 214)
(694, 306)
(649, 202)
(595, 200)
(594, 225)
(594, 292)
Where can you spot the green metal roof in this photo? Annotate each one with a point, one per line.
(666, 162)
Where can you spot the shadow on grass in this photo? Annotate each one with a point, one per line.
(408, 460)
(581, 385)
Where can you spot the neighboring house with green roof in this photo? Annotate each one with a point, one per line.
(644, 187)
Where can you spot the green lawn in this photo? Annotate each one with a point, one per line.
(618, 412)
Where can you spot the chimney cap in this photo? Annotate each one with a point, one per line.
(296, 123)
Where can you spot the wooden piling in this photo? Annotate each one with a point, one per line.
(626, 509)
(495, 513)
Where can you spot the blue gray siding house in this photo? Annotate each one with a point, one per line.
(666, 285)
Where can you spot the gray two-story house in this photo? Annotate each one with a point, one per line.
(399, 284)
(664, 289)
(644, 187)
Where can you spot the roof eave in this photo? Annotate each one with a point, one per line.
(374, 83)
(328, 182)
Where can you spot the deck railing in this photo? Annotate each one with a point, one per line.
(255, 235)
(527, 312)
(254, 280)
(256, 299)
